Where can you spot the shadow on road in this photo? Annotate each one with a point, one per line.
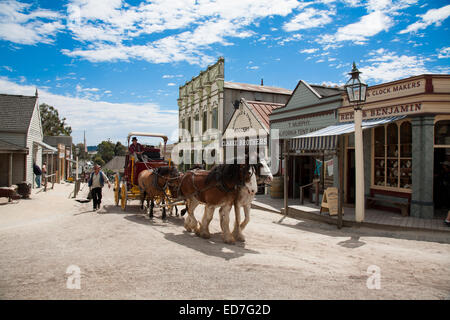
(352, 243)
(211, 247)
(356, 232)
(156, 221)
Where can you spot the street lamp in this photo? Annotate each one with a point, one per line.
(356, 92)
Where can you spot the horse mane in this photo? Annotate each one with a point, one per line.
(226, 173)
(165, 170)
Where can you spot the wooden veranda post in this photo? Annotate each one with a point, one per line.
(341, 179)
(286, 165)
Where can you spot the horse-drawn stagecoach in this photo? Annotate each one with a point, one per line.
(224, 186)
(152, 158)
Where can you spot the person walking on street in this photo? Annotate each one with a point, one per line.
(44, 173)
(96, 183)
(37, 171)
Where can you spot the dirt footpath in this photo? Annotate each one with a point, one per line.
(123, 255)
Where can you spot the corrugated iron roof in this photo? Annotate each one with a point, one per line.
(7, 146)
(254, 87)
(263, 110)
(325, 91)
(16, 112)
(115, 164)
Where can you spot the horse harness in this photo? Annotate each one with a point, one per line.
(219, 185)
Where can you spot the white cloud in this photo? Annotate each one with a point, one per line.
(432, 16)
(20, 24)
(388, 66)
(310, 18)
(107, 26)
(444, 53)
(379, 18)
(294, 37)
(171, 84)
(100, 119)
(312, 50)
(8, 68)
(171, 76)
(368, 26)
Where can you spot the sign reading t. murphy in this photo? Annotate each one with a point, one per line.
(300, 126)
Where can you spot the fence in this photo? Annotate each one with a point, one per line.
(45, 179)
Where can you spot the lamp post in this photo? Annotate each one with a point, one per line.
(356, 92)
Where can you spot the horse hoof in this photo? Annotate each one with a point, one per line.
(239, 237)
(203, 234)
(229, 240)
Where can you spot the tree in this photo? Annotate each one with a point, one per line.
(98, 160)
(52, 125)
(105, 150)
(120, 149)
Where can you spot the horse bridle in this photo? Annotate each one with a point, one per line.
(167, 182)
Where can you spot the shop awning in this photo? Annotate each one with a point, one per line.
(48, 148)
(326, 138)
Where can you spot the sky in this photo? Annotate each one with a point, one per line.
(114, 66)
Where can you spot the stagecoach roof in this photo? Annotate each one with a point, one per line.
(147, 134)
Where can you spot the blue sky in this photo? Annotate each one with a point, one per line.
(113, 66)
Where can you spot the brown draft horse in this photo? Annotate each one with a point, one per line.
(153, 183)
(243, 200)
(216, 188)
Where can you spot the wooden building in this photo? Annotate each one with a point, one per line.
(21, 138)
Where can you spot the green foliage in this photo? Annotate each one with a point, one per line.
(120, 149)
(106, 150)
(52, 125)
(98, 160)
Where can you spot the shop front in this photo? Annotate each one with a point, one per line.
(405, 156)
(310, 108)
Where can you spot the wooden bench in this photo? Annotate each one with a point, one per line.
(403, 206)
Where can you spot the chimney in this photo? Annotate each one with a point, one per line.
(262, 81)
(36, 93)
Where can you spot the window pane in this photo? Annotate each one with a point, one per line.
(392, 140)
(205, 121)
(379, 141)
(214, 118)
(405, 140)
(442, 132)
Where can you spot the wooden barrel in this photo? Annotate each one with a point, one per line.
(277, 187)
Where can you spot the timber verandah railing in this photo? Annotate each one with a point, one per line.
(315, 183)
(45, 180)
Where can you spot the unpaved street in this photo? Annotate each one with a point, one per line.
(126, 256)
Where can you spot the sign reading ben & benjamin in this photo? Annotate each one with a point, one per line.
(382, 112)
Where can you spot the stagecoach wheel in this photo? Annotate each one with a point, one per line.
(116, 189)
(124, 196)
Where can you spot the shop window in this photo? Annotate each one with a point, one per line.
(205, 121)
(380, 156)
(442, 133)
(196, 125)
(214, 118)
(392, 155)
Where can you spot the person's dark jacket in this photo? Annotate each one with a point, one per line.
(36, 170)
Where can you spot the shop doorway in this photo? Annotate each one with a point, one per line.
(441, 181)
(350, 198)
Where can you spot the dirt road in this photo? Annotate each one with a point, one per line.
(126, 256)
